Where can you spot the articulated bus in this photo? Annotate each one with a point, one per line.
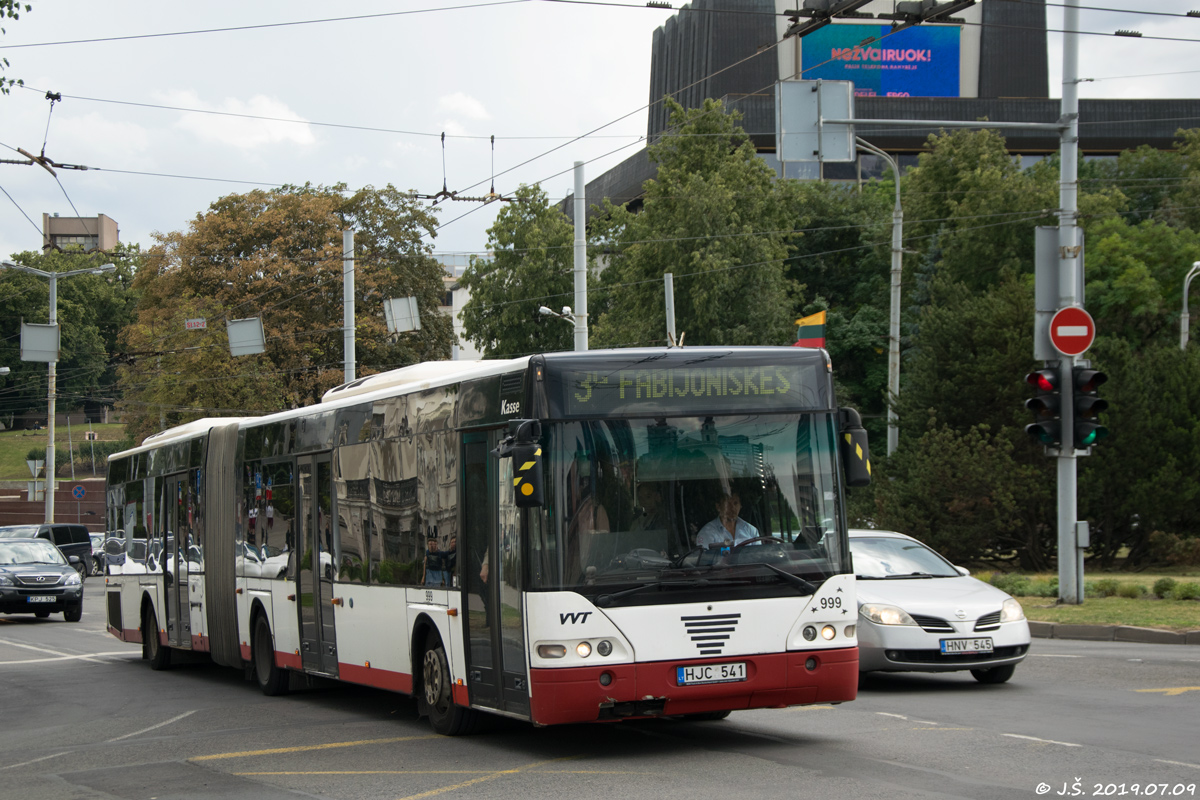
(559, 538)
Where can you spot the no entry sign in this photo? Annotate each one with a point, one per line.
(1072, 330)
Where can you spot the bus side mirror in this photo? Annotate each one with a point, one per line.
(856, 455)
(523, 447)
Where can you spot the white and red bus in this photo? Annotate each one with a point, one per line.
(561, 538)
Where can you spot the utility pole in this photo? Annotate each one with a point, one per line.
(581, 300)
(348, 302)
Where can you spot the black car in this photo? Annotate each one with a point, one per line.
(72, 540)
(35, 578)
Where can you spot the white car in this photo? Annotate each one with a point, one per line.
(917, 612)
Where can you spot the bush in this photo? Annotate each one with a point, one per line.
(1131, 591)
(1163, 587)
(1170, 548)
(1105, 587)
(1044, 588)
(36, 454)
(102, 450)
(1186, 591)
(1017, 585)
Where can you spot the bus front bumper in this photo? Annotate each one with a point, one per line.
(622, 691)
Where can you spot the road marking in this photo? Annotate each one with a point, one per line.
(152, 727)
(446, 772)
(1052, 655)
(1173, 691)
(943, 729)
(1177, 763)
(305, 748)
(1036, 739)
(34, 761)
(47, 650)
(86, 657)
(491, 777)
(886, 714)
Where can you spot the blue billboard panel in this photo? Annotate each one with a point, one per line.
(921, 61)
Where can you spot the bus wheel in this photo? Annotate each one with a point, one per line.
(271, 679)
(152, 649)
(436, 699)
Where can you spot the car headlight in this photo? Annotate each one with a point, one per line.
(1011, 611)
(885, 615)
(72, 580)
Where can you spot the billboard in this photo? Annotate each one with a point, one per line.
(922, 61)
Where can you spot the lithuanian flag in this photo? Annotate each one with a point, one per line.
(811, 332)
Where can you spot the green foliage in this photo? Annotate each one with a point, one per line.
(1105, 587)
(1186, 591)
(91, 311)
(10, 9)
(94, 455)
(36, 454)
(1131, 590)
(531, 266)
(278, 254)
(1016, 585)
(1171, 548)
(1163, 587)
(718, 220)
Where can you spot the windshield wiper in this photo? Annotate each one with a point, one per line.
(605, 600)
(805, 587)
(898, 577)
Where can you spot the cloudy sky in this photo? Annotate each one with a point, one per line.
(371, 87)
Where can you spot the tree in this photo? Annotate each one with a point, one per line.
(530, 266)
(277, 255)
(12, 10)
(718, 220)
(91, 310)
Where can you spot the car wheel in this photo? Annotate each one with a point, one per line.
(436, 699)
(41, 614)
(73, 613)
(272, 680)
(995, 674)
(82, 568)
(153, 650)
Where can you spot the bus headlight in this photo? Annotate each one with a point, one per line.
(583, 649)
(828, 632)
(551, 650)
(604, 648)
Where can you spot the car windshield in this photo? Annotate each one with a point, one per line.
(38, 552)
(891, 557)
(19, 532)
(696, 502)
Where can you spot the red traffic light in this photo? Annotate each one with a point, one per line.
(1044, 380)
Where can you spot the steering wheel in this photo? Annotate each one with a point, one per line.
(775, 539)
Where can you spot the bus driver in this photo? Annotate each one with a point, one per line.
(728, 528)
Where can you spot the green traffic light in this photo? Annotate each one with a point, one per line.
(1090, 435)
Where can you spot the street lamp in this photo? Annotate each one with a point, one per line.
(51, 385)
(1183, 318)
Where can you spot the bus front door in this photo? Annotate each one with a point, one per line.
(492, 583)
(314, 576)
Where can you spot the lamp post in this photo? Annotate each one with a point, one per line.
(1183, 318)
(51, 383)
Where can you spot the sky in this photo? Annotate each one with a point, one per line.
(536, 74)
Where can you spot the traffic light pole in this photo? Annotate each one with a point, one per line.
(1070, 557)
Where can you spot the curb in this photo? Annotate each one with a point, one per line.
(1110, 633)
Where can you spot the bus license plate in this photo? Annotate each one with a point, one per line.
(967, 646)
(41, 598)
(711, 673)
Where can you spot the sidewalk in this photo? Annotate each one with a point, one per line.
(1110, 633)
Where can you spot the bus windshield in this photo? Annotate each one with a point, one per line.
(655, 509)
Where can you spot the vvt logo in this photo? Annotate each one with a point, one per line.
(574, 617)
(507, 407)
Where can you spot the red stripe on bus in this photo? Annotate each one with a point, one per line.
(379, 678)
(133, 635)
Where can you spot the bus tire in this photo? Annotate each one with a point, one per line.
(152, 649)
(436, 699)
(272, 680)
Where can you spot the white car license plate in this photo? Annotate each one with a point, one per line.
(711, 673)
(968, 646)
(42, 598)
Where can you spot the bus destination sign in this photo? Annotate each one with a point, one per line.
(675, 389)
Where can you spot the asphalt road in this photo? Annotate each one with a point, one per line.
(84, 717)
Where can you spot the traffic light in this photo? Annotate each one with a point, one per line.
(1046, 407)
(1087, 406)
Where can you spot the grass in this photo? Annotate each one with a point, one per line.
(14, 445)
(1146, 611)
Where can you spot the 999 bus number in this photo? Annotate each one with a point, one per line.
(831, 602)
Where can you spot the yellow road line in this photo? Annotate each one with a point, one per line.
(1172, 691)
(305, 748)
(442, 772)
(492, 777)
